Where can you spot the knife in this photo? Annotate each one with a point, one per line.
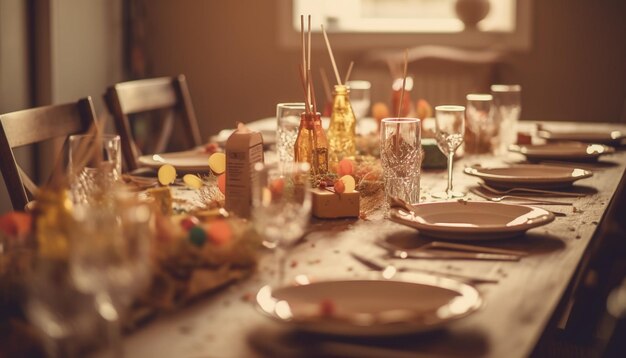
(378, 266)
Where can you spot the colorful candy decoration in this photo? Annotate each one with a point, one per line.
(217, 163)
(193, 181)
(167, 174)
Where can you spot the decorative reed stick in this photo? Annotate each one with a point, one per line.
(349, 72)
(332, 57)
(406, 60)
(303, 69)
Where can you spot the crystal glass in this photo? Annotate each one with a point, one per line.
(480, 122)
(95, 164)
(401, 157)
(450, 122)
(111, 256)
(281, 202)
(360, 97)
(288, 122)
(507, 100)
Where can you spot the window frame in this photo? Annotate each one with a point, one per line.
(519, 40)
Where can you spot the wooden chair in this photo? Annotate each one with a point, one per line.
(135, 97)
(32, 126)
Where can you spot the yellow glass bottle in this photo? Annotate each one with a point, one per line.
(53, 223)
(311, 145)
(342, 129)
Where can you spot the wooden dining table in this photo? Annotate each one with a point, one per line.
(531, 296)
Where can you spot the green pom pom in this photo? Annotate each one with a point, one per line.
(197, 236)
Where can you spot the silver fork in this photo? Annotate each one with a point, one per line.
(528, 190)
(498, 199)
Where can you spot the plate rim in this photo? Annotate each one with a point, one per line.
(547, 216)
(474, 171)
(579, 136)
(147, 161)
(517, 148)
(396, 327)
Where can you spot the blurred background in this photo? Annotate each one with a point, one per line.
(241, 57)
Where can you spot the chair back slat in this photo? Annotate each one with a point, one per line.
(32, 126)
(124, 100)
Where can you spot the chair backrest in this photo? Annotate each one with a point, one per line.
(441, 75)
(32, 126)
(135, 97)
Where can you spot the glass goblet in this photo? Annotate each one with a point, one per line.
(281, 202)
(479, 115)
(450, 122)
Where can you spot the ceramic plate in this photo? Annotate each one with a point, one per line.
(468, 220)
(189, 161)
(601, 137)
(411, 303)
(267, 128)
(529, 175)
(568, 151)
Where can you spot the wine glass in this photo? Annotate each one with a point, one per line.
(111, 256)
(281, 202)
(450, 122)
(507, 100)
(479, 115)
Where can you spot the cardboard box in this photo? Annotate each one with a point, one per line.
(330, 205)
(244, 148)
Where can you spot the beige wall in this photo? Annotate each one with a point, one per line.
(79, 53)
(229, 51)
(14, 79)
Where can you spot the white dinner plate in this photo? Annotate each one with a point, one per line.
(529, 175)
(267, 128)
(469, 220)
(567, 151)
(193, 161)
(409, 303)
(601, 137)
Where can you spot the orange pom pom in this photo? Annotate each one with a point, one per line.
(340, 187)
(15, 224)
(221, 183)
(345, 167)
(219, 232)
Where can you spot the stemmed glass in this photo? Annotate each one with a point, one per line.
(480, 120)
(507, 100)
(450, 122)
(111, 256)
(281, 202)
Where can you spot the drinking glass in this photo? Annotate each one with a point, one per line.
(480, 122)
(507, 100)
(281, 202)
(288, 122)
(401, 157)
(360, 97)
(65, 316)
(450, 122)
(111, 256)
(95, 165)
